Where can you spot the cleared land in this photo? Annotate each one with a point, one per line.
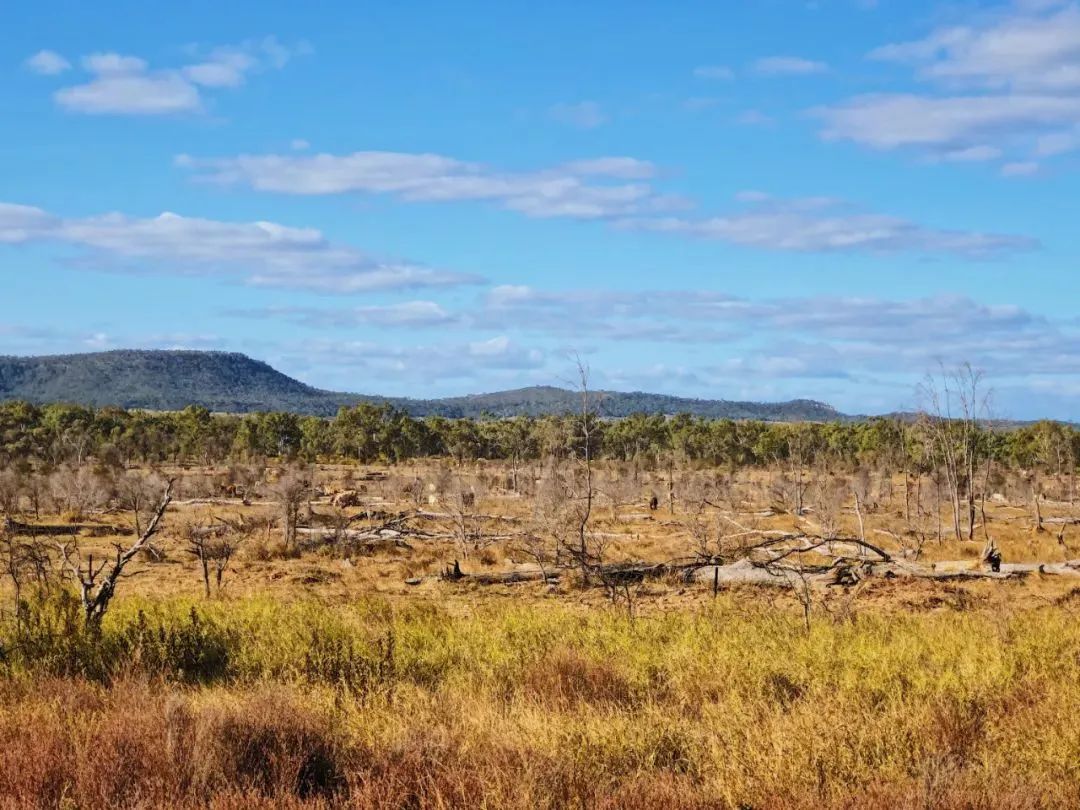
(350, 666)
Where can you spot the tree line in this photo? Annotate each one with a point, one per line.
(52, 435)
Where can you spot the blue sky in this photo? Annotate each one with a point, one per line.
(745, 200)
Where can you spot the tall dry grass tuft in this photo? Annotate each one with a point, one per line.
(566, 677)
(140, 743)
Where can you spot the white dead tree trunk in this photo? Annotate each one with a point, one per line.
(97, 582)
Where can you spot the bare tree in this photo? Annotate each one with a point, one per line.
(137, 492)
(291, 490)
(828, 494)
(11, 487)
(461, 502)
(12, 559)
(214, 547)
(955, 402)
(77, 490)
(97, 583)
(585, 430)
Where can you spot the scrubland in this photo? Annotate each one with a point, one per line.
(339, 661)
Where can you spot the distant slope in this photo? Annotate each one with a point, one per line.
(157, 380)
(540, 400)
(234, 383)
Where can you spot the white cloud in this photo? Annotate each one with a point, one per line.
(408, 314)
(892, 121)
(22, 223)
(788, 66)
(1005, 85)
(1026, 50)
(1058, 143)
(583, 114)
(47, 63)
(225, 70)
(425, 363)
(131, 94)
(611, 188)
(811, 336)
(113, 63)
(584, 189)
(261, 253)
(126, 85)
(817, 224)
(622, 168)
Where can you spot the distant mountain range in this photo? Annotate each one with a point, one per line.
(234, 383)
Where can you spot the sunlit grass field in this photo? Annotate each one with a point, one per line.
(258, 702)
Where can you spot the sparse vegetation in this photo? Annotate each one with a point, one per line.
(379, 611)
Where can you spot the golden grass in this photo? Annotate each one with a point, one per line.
(730, 705)
(313, 681)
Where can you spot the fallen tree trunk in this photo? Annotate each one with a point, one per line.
(64, 529)
(534, 574)
(467, 516)
(373, 539)
(750, 572)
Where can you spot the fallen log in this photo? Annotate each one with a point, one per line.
(532, 574)
(64, 529)
(467, 516)
(743, 572)
(221, 502)
(372, 539)
(750, 572)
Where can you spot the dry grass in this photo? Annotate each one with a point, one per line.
(733, 705)
(315, 680)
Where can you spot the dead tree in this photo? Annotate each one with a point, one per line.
(137, 493)
(97, 583)
(586, 428)
(214, 547)
(291, 490)
(955, 405)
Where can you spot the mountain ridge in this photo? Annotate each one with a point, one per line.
(168, 380)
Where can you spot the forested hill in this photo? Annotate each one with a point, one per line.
(540, 400)
(235, 383)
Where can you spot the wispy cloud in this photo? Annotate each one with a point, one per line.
(407, 314)
(616, 189)
(821, 224)
(47, 63)
(397, 363)
(584, 189)
(808, 336)
(1004, 85)
(260, 253)
(120, 84)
